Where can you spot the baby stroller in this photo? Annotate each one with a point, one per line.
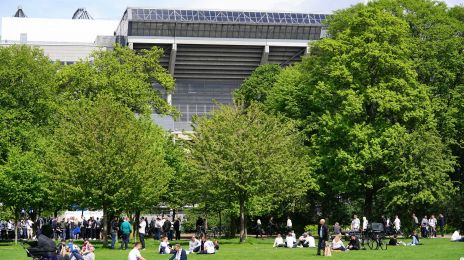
(39, 253)
(44, 248)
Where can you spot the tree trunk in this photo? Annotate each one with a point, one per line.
(104, 225)
(16, 227)
(242, 221)
(173, 215)
(55, 213)
(136, 224)
(368, 202)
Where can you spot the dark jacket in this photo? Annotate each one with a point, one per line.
(325, 232)
(177, 225)
(183, 255)
(354, 243)
(166, 226)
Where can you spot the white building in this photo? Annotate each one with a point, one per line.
(66, 40)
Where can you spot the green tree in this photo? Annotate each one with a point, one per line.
(244, 157)
(22, 184)
(352, 95)
(258, 84)
(114, 159)
(122, 73)
(28, 91)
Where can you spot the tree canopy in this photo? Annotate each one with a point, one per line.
(248, 159)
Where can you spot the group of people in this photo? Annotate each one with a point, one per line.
(428, 226)
(305, 240)
(159, 227)
(202, 246)
(66, 228)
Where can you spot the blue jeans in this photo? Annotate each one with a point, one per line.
(320, 246)
(125, 241)
(142, 239)
(157, 233)
(114, 236)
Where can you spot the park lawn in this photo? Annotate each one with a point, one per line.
(262, 249)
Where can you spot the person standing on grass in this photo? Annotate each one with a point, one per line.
(126, 229)
(289, 224)
(177, 228)
(323, 233)
(114, 231)
(397, 223)
(142, 227)
(424, 224)
(441, 223)
(415, 221)
(355, 223)
(259, 228)
(134, 254)
(271, 227)
(433, 226)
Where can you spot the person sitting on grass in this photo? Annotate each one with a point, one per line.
(134, 254)
(216, 244)
(290, 240)
(208, 246)
(193, 244)
(306, 240)
(393, 241)
(279, 241)
(88, 250)
(337, 243)
(415, 239)
(354, 243)
(456, 237)
(164, 247)
(179, 253)
(310, 240)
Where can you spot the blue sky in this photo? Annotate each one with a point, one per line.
(107, 9)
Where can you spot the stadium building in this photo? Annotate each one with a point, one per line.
(210, 53)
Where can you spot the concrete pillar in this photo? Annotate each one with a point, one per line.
(171, 68)
(265, 55)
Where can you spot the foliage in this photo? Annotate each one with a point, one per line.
(113, 159)
(125, 75)
(257, 86)
(244, 157)
(353, 95)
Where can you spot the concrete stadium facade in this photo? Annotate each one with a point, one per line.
(210, 53)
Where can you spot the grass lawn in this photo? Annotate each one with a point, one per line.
(262, 249)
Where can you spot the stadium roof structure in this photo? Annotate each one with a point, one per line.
(81, 13)
(246, 17)
(20, 13)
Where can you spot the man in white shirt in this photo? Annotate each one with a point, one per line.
(193, 244)
(290, 240)
(209, 247)
(365, 223)
(142, 227)
(397, 224)
(289, 224)
(433, 226)
(134, 254)
(355, 223)
(279, 241)
(310, 241)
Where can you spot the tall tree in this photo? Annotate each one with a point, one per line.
(114, 159)
(27, 102)
(249, 159)
(357, 90)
